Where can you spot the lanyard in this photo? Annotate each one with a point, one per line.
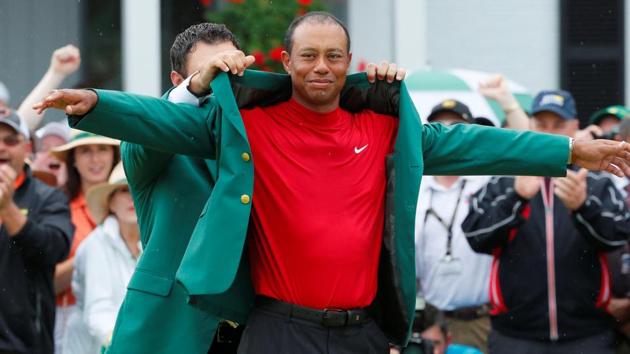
(449, 226)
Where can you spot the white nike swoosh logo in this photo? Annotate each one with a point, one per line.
(358, 151)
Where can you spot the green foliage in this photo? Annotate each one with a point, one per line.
(260, 26)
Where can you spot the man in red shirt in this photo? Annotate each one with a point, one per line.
(321, 170)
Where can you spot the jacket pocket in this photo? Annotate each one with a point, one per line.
(150, 283)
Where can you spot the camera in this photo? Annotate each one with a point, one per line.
(611, 135)
(418, 345)
(425, 317)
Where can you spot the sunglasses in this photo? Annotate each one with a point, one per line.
(11, 140)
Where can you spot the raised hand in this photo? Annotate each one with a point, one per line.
(496, 88)
(73, 102)
(234, 61)
(527, 186)
(7, 178)
(572, 189)
(65, 60)
(386, 70)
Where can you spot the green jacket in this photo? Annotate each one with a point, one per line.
(214, 271)
(170, 191)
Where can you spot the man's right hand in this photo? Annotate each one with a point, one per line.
(527, 186)
(234, 61)
(73, 102)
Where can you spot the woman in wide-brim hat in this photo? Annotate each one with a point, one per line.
(103, 265)
(89, 160)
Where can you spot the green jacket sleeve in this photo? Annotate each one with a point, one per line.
(143, 165)
(152, 122)
(465, 149)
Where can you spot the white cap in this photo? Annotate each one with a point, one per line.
(60, 129)
(4, 93)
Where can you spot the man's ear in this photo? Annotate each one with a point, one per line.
(176, 78)
(286, 59)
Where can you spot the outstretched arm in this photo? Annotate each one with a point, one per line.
(476, 150)
(64, 61)
(148, 121)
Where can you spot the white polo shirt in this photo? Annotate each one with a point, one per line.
(464, 281)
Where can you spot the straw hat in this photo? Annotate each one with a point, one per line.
(78, 138)
(97, 197)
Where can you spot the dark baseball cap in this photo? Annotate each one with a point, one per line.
(13, 120)
(617, 111)
(559, 102)
(483, 121)
(453, 106)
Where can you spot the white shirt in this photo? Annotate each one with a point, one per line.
(463, 282)
(181, 94)
(103, 266)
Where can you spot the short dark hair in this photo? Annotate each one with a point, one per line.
(206, 32)
(316, 17)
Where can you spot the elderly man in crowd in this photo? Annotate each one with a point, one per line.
(549, 284)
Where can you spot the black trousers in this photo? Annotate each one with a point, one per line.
(272, 333)
(602, 343)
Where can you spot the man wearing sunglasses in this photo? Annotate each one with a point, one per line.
(36, 234)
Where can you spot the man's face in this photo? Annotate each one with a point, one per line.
(13, 148)
(198, 56)
(549, 122)
(448, 118)
(318, 64)
(47, 162)
(607, 123)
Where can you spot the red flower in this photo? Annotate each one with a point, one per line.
(259, 57)
(265, 68)
(276, 53)
(362, 65)
(205, 3)
(305, 2)
(301, 12)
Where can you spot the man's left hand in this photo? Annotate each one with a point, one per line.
(386, 70)
(572, 189)
(602, 155)
(7, 179)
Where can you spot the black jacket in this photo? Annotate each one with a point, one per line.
(549, 279)
(27, 265)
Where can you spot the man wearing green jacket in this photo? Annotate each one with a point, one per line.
(336, 188)
(170, 191)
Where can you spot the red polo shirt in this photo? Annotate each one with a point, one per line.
(318, 205)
